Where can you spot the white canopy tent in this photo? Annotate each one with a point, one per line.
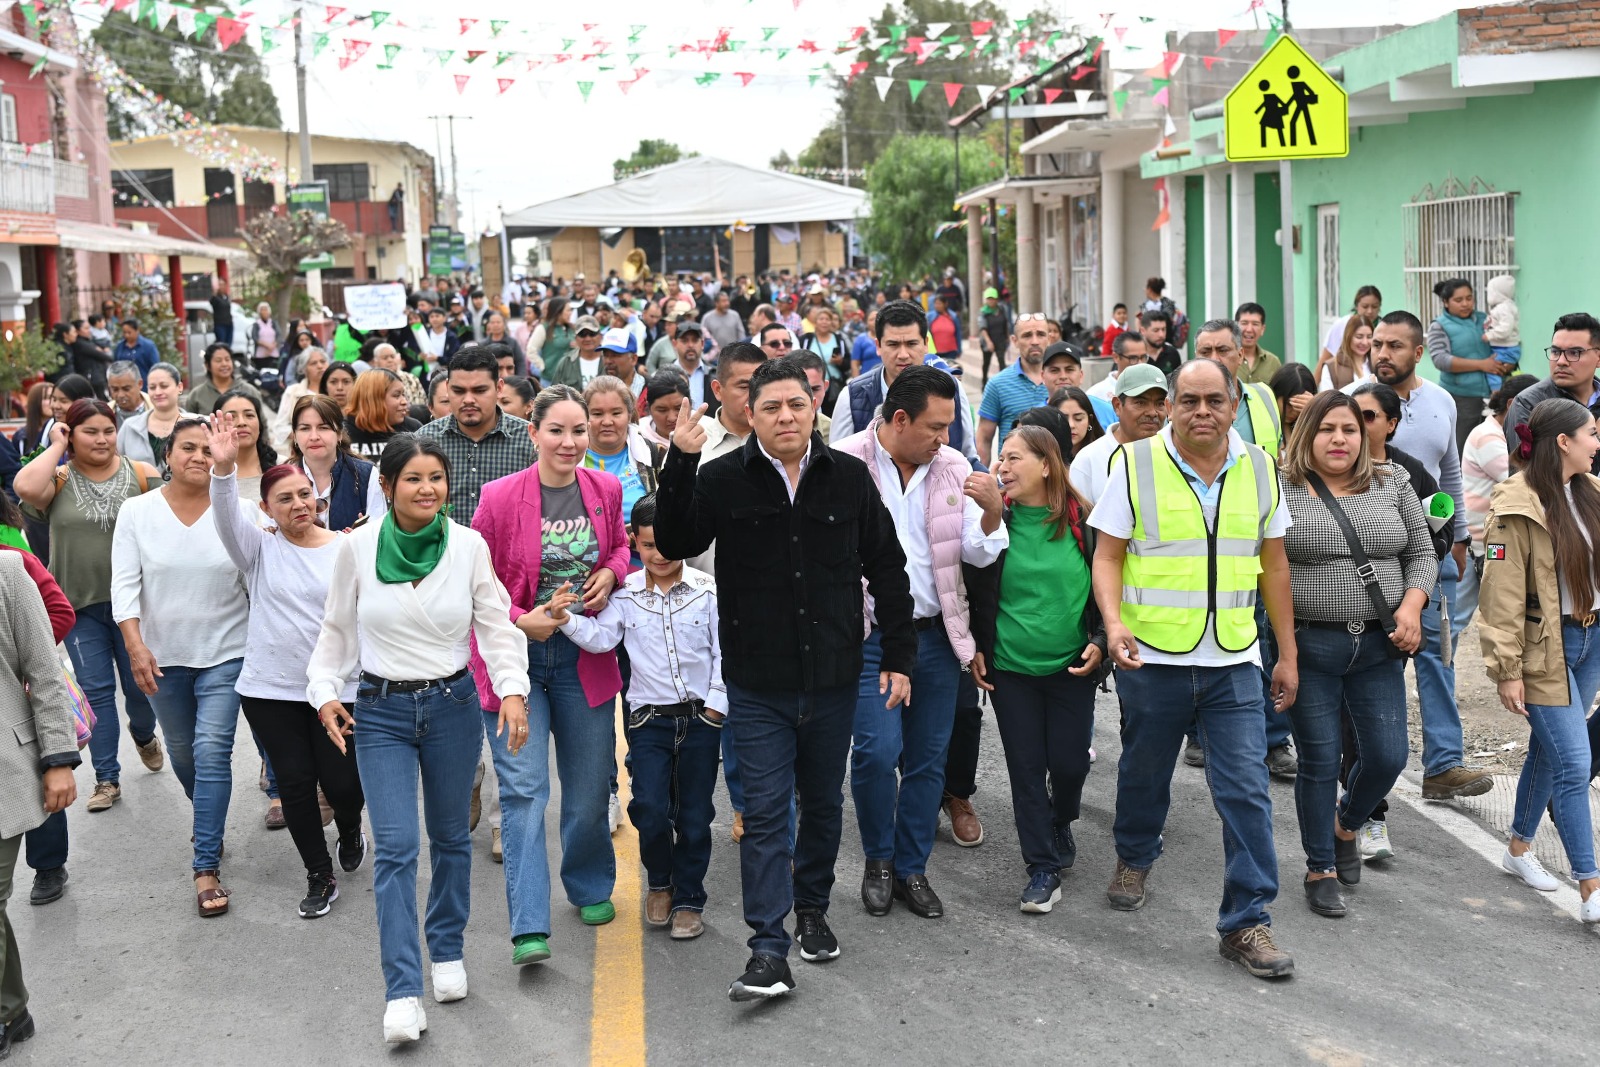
(700, 191)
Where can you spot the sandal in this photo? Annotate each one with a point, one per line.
(206, 896)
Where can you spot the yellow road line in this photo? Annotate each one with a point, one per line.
(616, 1036)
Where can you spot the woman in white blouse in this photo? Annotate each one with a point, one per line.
(309, 367)
(287, 572)
(180, 604)
(417, 586)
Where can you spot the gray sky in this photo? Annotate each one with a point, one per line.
(532, 144)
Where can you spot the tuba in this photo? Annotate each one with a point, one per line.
(636, 268)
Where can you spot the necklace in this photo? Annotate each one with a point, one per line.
(100, 501)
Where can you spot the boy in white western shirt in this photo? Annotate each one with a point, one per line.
(666, 617)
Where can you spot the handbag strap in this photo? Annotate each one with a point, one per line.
(1364, 568)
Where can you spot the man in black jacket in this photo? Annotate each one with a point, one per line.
(799, 527)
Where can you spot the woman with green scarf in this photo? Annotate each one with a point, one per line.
(1463, 358)
(418, 587)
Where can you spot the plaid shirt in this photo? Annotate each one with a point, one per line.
(505, 450)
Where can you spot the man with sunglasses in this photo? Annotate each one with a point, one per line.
(776, 340)
(1018, 388)
(581, 366)
(900, 328)
(1127, 350)
(1574, 363)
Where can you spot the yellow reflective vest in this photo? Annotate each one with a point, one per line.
(1177, 573)
(1265, 423)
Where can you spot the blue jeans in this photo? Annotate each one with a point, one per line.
(199, 712)
(1436, 683)
(1557, 765)
(1465, 603)
(1278, 729)
(585, 739)
(1224, 704)
(435, 733)
(674, 775)
(1355, 671)
(95, 645)
(789, 742)
(912, 739)
(730, 774)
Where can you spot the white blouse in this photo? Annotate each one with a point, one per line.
(179, 583)
(415, 633)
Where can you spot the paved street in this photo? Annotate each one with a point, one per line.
(1443, 960)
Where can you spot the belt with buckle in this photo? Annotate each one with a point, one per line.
(410, 687)
(927, 623)
(1584, 621)
(1355, 627)
(683, 710)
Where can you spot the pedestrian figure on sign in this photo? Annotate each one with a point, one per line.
(1272, 111)
(1301, 97)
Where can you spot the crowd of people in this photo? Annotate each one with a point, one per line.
(793, 549)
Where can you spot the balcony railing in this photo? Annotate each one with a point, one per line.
(72, 180)
(27, 180)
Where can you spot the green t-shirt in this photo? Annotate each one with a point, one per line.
(82, 517)
(1044, 588)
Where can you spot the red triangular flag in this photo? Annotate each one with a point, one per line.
(505, 83)
(745, 77)
(461, 82)
(1099, 46)
(951, 91)
(467, 24)
(333, 13)
(1208, 60)
(1082, 73)
(229, 31)
(1170, 60)
(855, 71)
(1224, 36)
(1120, 31)
(981, 28)
(1051, 95)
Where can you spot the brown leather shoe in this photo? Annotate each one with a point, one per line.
(1255, 951)
(475, 811)
(964, 824)
(738, 827)
(1457, 782)
(1127, 891)
(495, 851)
(658, 907)
(686, 925)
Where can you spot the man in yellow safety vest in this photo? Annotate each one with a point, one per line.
(1191, 527)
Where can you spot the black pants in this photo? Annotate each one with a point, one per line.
(304, 757)
(1046, 727)
(961, 763)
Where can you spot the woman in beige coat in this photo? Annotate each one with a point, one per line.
(38, 750)
(1538, 623)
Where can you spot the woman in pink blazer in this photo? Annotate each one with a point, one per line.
(556, 527)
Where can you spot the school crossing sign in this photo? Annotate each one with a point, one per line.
(1287, 107)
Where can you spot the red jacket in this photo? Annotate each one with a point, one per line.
(508, 517)
(55, 601)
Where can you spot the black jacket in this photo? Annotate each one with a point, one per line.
(983, 600)
(1521, 410)
(789, 575)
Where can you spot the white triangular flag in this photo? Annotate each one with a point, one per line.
(893, 63)
(984, 92)
(936, 29)
(164, 13)
(877, 43)
(956, 51)
(883, 87)
(1120, 78)
(1171, 127)
(185, 16)
(1083, 95)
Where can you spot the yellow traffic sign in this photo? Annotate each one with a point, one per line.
(1287, 107)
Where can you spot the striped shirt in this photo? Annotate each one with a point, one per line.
(503, 451)
(1008, 395)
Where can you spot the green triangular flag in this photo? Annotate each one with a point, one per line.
(203, 21)
(1043, 64)
(1147, 18)
(566, 43)
(897, 33)
(1158, 84)
(501, 57)
(635, 32)
(444, 57)
(584, 87)
(783, 52)
(268, 41)
(767, 32)
(379, 18)
(916, 86)
(389, 52)
(1050, 41)
(147, 12)
(734, 46)
(707, 78)
(1023, 24)
(1272, 39)
(1017, 91)
(633, 57)
(30, 11)
(495, 26)
(318, 45)
(37, 67)
(1120, 98)
(991, 48)
(812, 78)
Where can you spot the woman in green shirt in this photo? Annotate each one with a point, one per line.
(1041, 652)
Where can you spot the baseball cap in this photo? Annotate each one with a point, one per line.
(689, 326)
(618, 340)
(1139, 379)
(586, 322)
(1062, 348)
(991, 293)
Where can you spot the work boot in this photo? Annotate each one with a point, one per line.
(1255, 951)
(1456, 782)
(1127, 891)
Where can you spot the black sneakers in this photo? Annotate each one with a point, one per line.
(817, 943)
(764, 977)
(1066, 847)
(352, 850)
(321, 891)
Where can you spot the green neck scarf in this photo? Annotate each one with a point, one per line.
(410, 557)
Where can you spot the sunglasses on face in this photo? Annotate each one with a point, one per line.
(588, 333)
(1370, 417)
(779, 342)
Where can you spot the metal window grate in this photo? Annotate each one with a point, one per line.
(1471, 237)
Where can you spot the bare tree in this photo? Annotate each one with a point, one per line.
(280, 241)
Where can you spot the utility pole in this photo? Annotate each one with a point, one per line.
(313, 277)
(1286, 216)
(455, 186)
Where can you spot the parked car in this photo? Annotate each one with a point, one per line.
(201, 332)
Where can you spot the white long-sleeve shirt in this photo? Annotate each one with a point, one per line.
(287, 585)
(179, 583)
(415, 633)
(671, 639)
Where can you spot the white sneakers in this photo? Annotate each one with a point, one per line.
(1374, 837)
(449, 981)
(403, 1021)
(614, 813)
(1530, 870)
(1590, 911)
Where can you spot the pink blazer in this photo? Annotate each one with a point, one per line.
(508, 517)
